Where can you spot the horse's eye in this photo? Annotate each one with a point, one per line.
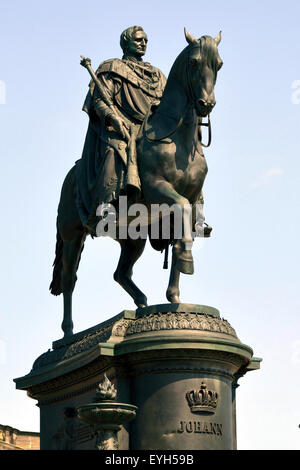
(194, 62)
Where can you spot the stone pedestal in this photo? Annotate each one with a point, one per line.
(177, 363)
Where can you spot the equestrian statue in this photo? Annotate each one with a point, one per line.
(143, 142)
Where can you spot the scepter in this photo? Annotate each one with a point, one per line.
(86, 63)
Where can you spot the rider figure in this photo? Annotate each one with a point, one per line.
(128, 88)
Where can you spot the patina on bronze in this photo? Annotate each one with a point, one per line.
(155, 160)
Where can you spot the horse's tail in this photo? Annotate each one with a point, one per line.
(55, 286)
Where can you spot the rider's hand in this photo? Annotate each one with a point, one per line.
(118, 124)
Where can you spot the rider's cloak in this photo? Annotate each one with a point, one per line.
(102, 172)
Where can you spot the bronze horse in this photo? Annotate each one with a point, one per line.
(172, 170)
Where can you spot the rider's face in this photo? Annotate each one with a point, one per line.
(138, 44)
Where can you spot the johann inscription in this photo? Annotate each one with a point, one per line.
(200, 427)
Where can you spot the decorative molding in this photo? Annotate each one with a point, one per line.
(66, 352)
(97, 367)
(134, 365)
(134, 373)
(179, 321)
(137, 365)
(124, 328)
(198, 369)
(139, 362)
(121, 327)
(68, 396)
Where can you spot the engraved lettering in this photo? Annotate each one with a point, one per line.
(219, 428)
(189, 426)
(181, 426)
(197, 426)
(213, 427)
(200, 427)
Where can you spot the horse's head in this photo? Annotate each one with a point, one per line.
(203, 64)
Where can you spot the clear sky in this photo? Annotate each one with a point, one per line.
(249, 269)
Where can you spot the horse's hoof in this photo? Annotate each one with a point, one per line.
(68, 332)
(141, 303)
(173, 299)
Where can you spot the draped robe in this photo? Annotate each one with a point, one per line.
(130, 88)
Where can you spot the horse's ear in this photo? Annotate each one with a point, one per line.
(218, 38)
(189, 37)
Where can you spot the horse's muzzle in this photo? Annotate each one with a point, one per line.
(203, 107)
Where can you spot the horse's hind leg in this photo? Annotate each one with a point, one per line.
(70, 260)
(131, 250)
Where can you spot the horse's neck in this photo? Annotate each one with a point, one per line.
(173, 108)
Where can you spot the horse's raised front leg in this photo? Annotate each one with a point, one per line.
(70, 260)
(163, 192)
(173, 287)
(131, 250)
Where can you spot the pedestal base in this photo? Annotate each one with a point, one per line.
(178, 363)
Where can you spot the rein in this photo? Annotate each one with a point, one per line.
(206, 124)
(194, 102)
(166, 136)
(179, 124)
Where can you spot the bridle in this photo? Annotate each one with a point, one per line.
(192, 104)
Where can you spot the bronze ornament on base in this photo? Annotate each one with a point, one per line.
(106, 415)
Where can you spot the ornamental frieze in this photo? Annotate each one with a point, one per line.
(179, 321)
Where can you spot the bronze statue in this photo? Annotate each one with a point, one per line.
(143, 141)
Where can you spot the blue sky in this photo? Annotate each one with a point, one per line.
(249, 269)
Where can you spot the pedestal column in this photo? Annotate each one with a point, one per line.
(177, 363)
